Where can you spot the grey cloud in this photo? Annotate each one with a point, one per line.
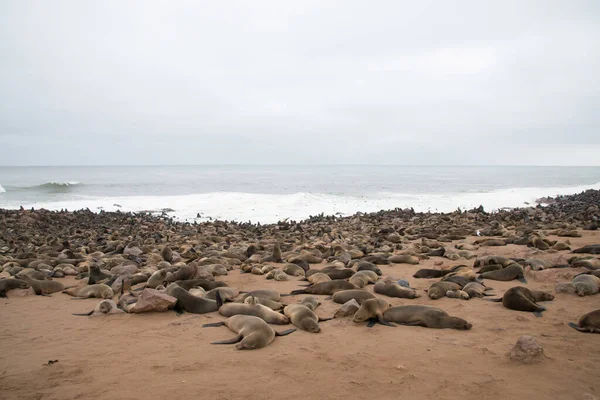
(336, 82)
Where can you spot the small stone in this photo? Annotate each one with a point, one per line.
(527, 350)
(347, 309)
(522, 318)
(438, 263)
(401, 368)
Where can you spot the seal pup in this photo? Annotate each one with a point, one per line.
(520, 298)
(343, 296)
(513, 271)
(303, 318)
(586, 285)
(476, 289)
(439, 289)
(368, 266)
(99, 290)
(372, 310)
(273, 305)
(252, 332)
(589, 322)
(9, 284)
(403, 259)
(157, 278)
(458, 294)
(427, 316)
(44, 288)
(190, 303)
(393, 289)
(226, 293)
(105, 307)
(325, 288)
(255, 309)
(263, 293)
(310, 302)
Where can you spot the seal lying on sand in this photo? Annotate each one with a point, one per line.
(427, 316)
(100, 291)
(325, 287)
(520, 298)
(105, 307)
(9, 284)
(372, 310)
(589, 322)
(303, 317)
(252, 332)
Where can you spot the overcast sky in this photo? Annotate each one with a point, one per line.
(299, 82)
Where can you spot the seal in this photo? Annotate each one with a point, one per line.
(403, 259)
(278, 275)
(275, 257)
(273, 305)
(252, 332)
(257, 310)
(372, 310)
(293, 270)
(263, 293)
(589, 322)
(363, 278)
(9, 284)
(157, 278)
(203, 283)
(339, 273)
(476, 289)
(457, 294)
(367, 266)
(226, 293)
(99, 291)
(190, 303)
(44, 288)
(519, 298)
(303, 318)
(360, 295)
(427, 316)
(318, 278)
(393, 289)
(310, 302)
(105, 307)
(586, 285)
(589, 249)
(439, 289)
(426, 273)
(513, 271)
(325, 288)
(95, 275)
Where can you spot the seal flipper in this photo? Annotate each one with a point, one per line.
(494, 300)
(538, 313)
(371, 323)
(84, 314)
(522, 279)
(218, 299)
(215, 324)
(286, 332)
(489, 294)
(295, 292)
(577, 327)
(325, 319)
(329, 298)
(382, 321)
(229, 341)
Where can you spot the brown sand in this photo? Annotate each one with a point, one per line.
(164, 356)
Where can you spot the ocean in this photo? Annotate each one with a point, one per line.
(267, 194)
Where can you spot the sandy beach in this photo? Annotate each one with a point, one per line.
(163, 355)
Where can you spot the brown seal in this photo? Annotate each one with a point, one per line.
(368, 266)
(256, 309)
(586, 285)
(520, 298)
(303, 317)
(439, 289)
(263, 293)
(476, 289)
(273, 305)
(310, 302)
(226, 293)
(427, 316)
(513, 271)
(589, 322)
(363, 278)
(9, 284)
(318, 278)
(203, 283)
(427, 273)
(360, 295)
(392, 289)
(372, 310)
(190, 303)
(403, 259)
(105, 307)
(99, 291)
(157, 278)
(325, 288)
(44, 288)
(252, 332)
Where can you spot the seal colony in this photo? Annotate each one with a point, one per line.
(406, 272)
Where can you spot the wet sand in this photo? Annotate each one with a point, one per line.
(162, 355)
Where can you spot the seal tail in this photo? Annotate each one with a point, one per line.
(213, 325)
(286, 332)
(577, 327)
